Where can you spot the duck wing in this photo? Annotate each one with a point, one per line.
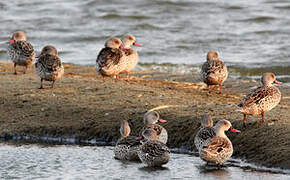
(218, 145)
(49, 62)
(254, 97)
(206, 133)
(154, 148)
(23, 48)
(108, 57)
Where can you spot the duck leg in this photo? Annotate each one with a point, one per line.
(52, 84)
(25, 69)
(220, 89)
(128, 76)
(15, 72)
(41, 87)
(263, 117)
(245, 120)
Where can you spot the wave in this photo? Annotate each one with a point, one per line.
(117, 16)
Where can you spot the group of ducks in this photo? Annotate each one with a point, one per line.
(119, 57)
(150, 147)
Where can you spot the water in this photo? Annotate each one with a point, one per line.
(251, 36)
(93, 162)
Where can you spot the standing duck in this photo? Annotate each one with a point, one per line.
(205, 133)
(218, 148)
(127, 146)
(20, 51)
(130, 54)
(150, 119)
(48, 66)
(153, 152)
(261, 99)
(214, 71)
(110, 61)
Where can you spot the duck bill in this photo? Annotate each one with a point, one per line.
(277, 82)
(139, 138)
(11, 41)
(137, 44)
(123, 47)
(162, 120)
(235, 130)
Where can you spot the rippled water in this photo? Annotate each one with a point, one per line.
(92, 162)
(246, 33)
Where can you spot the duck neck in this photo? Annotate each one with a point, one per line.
(221, 133)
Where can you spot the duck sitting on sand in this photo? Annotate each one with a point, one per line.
(127, 146)
(20, 51)
(153, 152)
(150, 119)
(48, 65)
(110, 61)
(261, 99)
(218, 149)
(214, 70)
(205, 133)
(131, 55)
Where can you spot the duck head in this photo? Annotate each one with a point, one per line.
(129, 40)
(114, 43)
(18, 36)
(125, 129)
(224, 125)
(212, 55)
(152, 117)
(49, 49)
(268, 79)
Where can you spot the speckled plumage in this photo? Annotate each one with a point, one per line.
(153, 152)
(48, 66)
(261, 99)
(110, 60)
(218, 149)
(20, 51)
(205, 133)
(214, 71)
(127, 146)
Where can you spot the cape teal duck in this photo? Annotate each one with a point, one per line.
(218, 148)
(153, 152)
(150, 119)
(214, 71)
(205, 133)
(20, 51)
(131, 55)
(48, 65)
(261, 99)
(127, 146)
(110, 61)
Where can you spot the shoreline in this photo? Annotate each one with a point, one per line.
(84, 106)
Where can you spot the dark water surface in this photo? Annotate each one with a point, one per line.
(246, 33)
(93, 162)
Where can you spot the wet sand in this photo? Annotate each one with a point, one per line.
(84, 106)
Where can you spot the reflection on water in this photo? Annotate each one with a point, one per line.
(92, 162)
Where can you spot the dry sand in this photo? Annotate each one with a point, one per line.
(84, 106)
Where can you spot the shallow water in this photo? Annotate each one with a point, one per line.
(246, 33)
(93, 162)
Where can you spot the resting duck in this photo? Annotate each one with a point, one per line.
(214, 71)
(205, 133)
(20, 51)
(48, 65)
(150, 119)
(110, 61)
(261, 99)
(127, 146)
(153, 152)
(218, 148)
(130, 54)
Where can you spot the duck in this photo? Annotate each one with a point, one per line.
(20, 51)
(150, 119)
(214, 70)
(48, 65)
(152, 152)
(205, 132)
(127, 146)
(218, 148)
(131, 55)
(261, 99)
(110, 61)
